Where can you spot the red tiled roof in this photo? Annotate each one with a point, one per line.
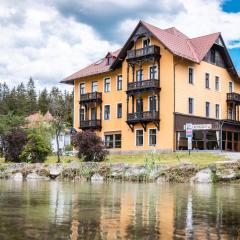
(93, 69)
(37, 117)
(179, 44)
(175, 41)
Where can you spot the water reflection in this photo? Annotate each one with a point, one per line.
(53, 210)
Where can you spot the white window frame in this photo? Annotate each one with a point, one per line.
(208, 79)
(109, 112)
(149, 136)
(149, 73)
(219, 83)
(190, 67)
(80, 88)
(135, 135)
(117, 110)
(149, 102)
(84, 113)
(109, 84)
(92, 85)
(117, 82)
(232, 85)
(145, 38)
(219, 111)
(209, 109)
(192, 105)
(142, 74)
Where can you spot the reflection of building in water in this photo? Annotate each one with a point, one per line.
(165, 212)
(74, 220)
(143, 214)
(146, 211)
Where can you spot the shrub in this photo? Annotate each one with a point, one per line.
(13, 144)
(36, 149)
(90, 147)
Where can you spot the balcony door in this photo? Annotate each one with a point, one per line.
(93, 113)
(152, 103)
(81, 113)
(139, 75)
(139, 107)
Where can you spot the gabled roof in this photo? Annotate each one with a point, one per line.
(192, 49)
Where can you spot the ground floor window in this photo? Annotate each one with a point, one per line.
(113, 140)
(152, 137)
(202, 140)
(230, 141)
(139, 137)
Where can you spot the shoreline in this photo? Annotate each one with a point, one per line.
(225, 171)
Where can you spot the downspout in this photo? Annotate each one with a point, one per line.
(174, 104)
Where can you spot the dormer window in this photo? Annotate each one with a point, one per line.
(109, 60)
(146, 42)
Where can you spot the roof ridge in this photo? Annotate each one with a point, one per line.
(192, 49)
(176, 31)
(205, 35)
(170, 34)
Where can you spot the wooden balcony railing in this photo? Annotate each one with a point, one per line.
(90, 97)
(91, 124)
(152, 83)
(143, 116)
(233, 97)
(143, 52)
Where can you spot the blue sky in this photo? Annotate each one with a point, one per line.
(51, 39)
(233, 6)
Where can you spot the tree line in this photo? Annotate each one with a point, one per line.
(23, 100)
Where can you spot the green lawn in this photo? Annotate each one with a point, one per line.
(201, 159)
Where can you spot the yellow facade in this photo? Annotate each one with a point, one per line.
(183, 90)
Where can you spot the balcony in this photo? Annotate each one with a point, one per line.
(143, 86)
(91, 97)
(148, 116)
(149, 51)
(90, 124)
(233, 97)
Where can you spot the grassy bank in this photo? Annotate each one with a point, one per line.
(201, 159)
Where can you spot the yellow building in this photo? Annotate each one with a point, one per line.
(141, 96)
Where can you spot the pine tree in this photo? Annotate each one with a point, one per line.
(21, 103)
(4, 102)
(31, 97)
(43, 101)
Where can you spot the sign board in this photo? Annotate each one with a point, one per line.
(189, 143)
(189, 130)
(199, 126)
(202, 126)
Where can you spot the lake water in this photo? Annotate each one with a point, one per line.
(65, 210)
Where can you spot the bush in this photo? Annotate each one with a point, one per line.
(90, 147)
(36, 149)
(13, 144)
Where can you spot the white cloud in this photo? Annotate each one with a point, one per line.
(39, 40)
(47, 47)
(199, 17)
